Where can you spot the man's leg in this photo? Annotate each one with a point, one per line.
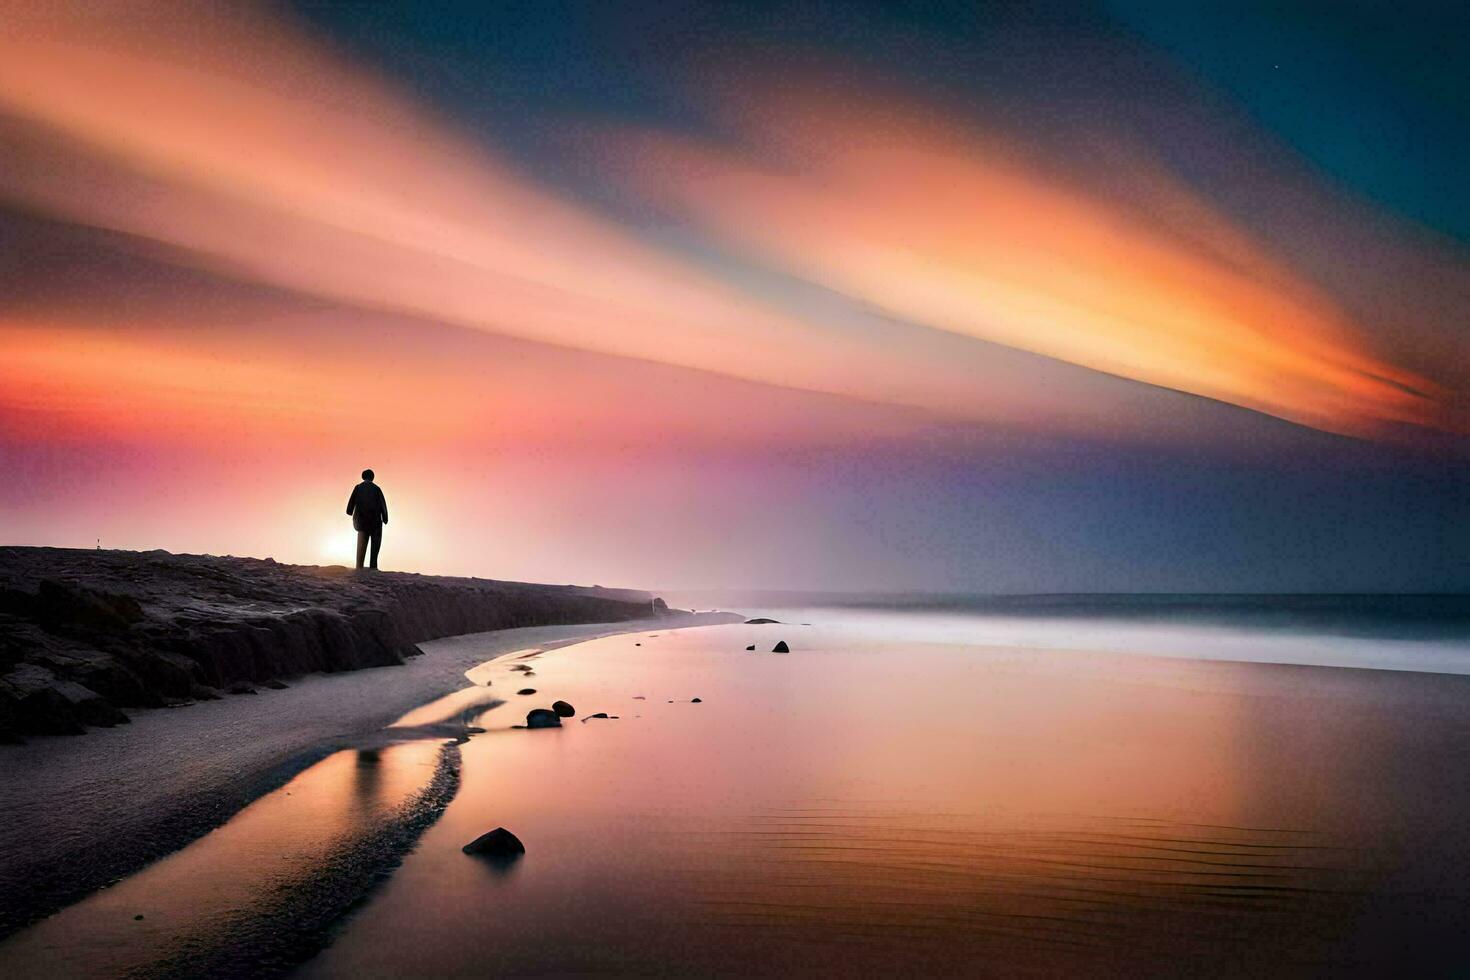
(377, 543)
(362, 543)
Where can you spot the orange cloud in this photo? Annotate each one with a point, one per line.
(247, 148)
(344, 377)
(241, 144)
(930, 219)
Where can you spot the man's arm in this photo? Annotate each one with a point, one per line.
(383, 505)
(351, 501)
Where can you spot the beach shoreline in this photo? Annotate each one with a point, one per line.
(1098, 810)
(79, 814)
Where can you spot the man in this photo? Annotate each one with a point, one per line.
(369, 512)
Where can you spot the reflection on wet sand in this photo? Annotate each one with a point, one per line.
(911, 886)
(853, 808)
(253, 893)
(849, 808)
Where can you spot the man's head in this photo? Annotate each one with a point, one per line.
(367, 475)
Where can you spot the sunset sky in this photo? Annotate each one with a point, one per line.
(945, 296)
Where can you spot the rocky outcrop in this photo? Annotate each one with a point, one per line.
(86, 634)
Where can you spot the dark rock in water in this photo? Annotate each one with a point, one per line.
(275, 685)
(660, 607)
(499, 843)
(521, 667)
(543, 718)
(563, 709)
(137, 918)
(640, 697)
(751, 647)
(781, 647)
(697, 701)
(637, 644)
(600, 714)
(527, 690)
(761, 621)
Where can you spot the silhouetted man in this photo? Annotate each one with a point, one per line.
(369, 512)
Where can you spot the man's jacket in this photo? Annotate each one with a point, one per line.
(367, 506)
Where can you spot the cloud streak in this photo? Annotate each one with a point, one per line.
(938, 221)
(248, 148)
(252, 150)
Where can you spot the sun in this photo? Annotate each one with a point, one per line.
(337, 546)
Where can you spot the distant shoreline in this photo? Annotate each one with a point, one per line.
(1382, 615)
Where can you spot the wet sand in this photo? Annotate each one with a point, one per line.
(857, 808)
(76, 815)
(259, 894)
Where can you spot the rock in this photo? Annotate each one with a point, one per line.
(138, 630)
(761, 621)
(241, 687)
(524, 667)
(696, 701)
(60, 605)
(563, 709)
(527, 690)
(600, 714)
(275, 685)
(137, 918)
(781, 647)
(660, 607)
(498, 843)
(543, 718)
(751, 647)
(33, 700)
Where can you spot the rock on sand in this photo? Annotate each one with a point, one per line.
(543, 718)
(499, 843)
